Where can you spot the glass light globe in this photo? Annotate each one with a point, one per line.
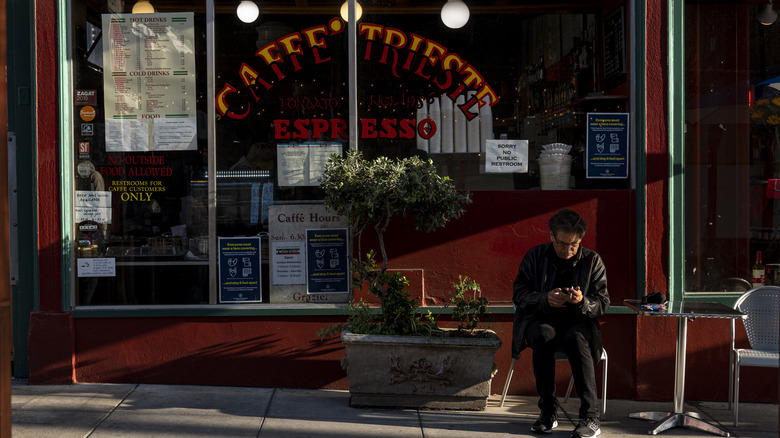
(247, 11)
(768, 15)
(455, 14)
(143, 7)
(345, 11)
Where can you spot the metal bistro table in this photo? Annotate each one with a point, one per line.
(683, 311)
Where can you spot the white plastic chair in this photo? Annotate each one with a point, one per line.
(561, 356)
(762, 307)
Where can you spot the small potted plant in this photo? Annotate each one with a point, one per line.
(398, 356)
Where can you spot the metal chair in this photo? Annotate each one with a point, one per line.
(762, 307)
(560, 356)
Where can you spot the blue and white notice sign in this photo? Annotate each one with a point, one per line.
(327, 262)
(239, 270)
(607, 145)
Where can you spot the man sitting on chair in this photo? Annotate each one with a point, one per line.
(559, 293)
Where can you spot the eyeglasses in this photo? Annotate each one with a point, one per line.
(573, 245)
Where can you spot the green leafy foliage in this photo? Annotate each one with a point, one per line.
(469, 303)
(369, 193)
(469, 306)
(372, 192)
(361, 319)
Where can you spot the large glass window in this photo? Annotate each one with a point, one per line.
(732, 110)
(175, 172)
(485, 100)
(139, 142)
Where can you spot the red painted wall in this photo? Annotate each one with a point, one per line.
(488, 242)
(50, 340)
(47, 137)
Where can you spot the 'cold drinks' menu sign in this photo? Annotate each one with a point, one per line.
(149, 82)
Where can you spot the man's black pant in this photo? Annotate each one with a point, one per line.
(545, 337)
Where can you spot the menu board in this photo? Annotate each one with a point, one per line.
(149, 82)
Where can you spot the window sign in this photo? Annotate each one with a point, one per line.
(149, 82)
(93, 205)
(303, 164)
(239, 270)
(287, 259)
(607, 146)
(327, 263)
(506, 156)
(288, 225)
(96, 267)
(85, 97)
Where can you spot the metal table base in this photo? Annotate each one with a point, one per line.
(668, 420)
(679, 418)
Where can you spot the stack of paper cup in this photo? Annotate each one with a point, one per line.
(555, 166)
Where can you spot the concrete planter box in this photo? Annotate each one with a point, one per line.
(420, 372)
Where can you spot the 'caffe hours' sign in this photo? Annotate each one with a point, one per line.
(287, 229)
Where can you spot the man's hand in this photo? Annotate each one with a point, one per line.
(576, 296)
(559, 297)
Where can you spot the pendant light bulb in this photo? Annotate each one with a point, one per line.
(455, 14)
(344, 11)
(767, 16)
(143, 7)
(247, 11)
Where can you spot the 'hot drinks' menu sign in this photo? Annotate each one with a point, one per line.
(149, 82)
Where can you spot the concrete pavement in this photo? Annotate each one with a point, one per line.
(180, 411)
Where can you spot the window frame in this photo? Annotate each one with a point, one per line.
(214, 308)
(676, 178)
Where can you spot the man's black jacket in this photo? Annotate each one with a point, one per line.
(536, 277)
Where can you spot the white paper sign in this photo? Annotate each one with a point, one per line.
(127, 136)
(302, 164)
(287, 259)
(92, 206)
(93, 199)
(99, 215)
(506, 156)
(96, 267)
(292, 165)
(175, 134)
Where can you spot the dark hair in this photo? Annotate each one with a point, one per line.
(568, 221)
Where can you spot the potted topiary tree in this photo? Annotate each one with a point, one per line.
(400, 356)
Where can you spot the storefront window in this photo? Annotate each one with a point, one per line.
(281, 109)
(140, 140)
(174, 176)
(483, 101)
(732, 148)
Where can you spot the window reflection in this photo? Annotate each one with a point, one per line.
(732, 144)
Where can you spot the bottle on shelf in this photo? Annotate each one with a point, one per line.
(758, 271)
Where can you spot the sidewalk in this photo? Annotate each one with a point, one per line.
(129, 410)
